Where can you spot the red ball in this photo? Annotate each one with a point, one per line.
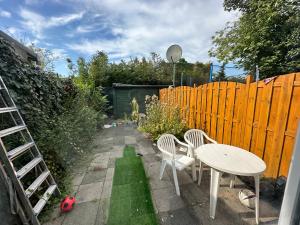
(67, 204)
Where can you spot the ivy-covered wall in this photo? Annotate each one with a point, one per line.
(61, 117)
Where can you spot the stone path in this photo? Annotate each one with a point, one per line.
(92, 184)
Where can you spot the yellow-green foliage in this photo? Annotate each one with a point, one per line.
(135, 110)
(162, 118)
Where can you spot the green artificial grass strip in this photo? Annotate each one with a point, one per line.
(130, 201)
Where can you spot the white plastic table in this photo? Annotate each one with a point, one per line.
(233, 160)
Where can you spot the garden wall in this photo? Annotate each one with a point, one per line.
(260, 117)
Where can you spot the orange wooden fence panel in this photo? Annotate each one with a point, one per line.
(260, 117)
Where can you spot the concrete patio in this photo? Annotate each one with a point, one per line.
(92, 184)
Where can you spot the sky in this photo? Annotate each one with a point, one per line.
(122, 29)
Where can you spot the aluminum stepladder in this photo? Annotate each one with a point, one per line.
(36, 163)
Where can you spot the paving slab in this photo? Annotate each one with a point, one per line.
(95, 174)
(110, 174)
(82, 214)
(111, 163)
(89, 192)
(103, 211)
(116, 153)
(107, 187)
(167, 200)
(77, 179)
(130, 140)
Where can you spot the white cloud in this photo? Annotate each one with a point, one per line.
(37, 23)
(4, 13)
(59, 53)
(146, 26)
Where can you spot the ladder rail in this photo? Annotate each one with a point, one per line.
(37, 162)
(29, 134)
(19, 188)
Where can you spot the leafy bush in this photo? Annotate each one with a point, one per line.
(162, 118)
(61, 116)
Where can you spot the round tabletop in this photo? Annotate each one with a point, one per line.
(230, 159)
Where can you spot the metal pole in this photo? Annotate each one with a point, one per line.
(210, 72)
(257, 73)
(181, 78)
(174, 71)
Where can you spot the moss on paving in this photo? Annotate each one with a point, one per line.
(130, 201)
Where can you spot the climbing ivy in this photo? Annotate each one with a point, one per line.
(61, 117)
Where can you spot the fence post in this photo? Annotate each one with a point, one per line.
(249, 80)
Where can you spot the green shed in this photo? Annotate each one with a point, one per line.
(124, 93)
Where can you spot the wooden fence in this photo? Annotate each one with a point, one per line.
(260, 117)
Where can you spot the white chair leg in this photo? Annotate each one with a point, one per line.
(162, 168)
(175, 179)
(194, 173)
(256, 178)
(214, 188)
(232, 181)
(200, 172)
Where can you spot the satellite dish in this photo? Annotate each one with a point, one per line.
(174, 53)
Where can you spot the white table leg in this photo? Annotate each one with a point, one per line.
(256, 178)
(162, 168)
(214, 188)
(200, 172)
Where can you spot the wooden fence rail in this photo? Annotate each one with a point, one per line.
(260, 117)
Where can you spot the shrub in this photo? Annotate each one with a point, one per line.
(162, 118)
(61, 116)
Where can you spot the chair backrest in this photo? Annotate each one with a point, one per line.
(166, 143)
(195, 137)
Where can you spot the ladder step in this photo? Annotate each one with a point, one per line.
(29, 166)
(38, 181)
(17, 151)
(42, 202)
(11, 130)
(8, 109)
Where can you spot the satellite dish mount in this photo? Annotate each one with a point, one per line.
(174, 54)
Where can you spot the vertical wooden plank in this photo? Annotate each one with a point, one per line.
(237, 114)
(244, 106)
(221, 112)
(192, 107)
(250, 115)
(282, 115)
(203, 108)
(229, 112)
(214, 111)
(263, 119)
(199, 101)
(208, 107)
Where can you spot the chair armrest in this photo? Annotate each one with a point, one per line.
(209, 139)
(181, 143)
(190, 151)
(189, 143)
(166, 152)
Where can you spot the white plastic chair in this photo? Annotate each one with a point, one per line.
(166, 144)
(195, 138)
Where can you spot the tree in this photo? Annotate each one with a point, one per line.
(46, 58)
(221, 74)
(83, 70)
(98, 68)
(267, 34)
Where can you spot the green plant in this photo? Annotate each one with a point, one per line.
(266, 34)
(162, 118)
(61, 116)
(134, 110)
